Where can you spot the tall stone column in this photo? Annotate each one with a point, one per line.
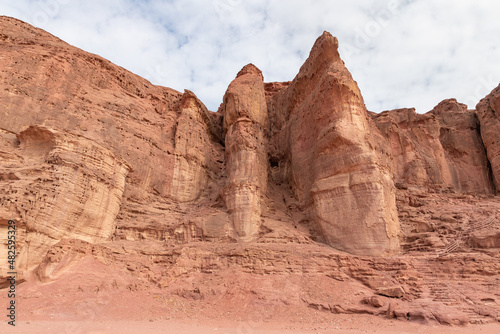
(245, 121)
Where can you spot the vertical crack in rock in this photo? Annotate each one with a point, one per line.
(488, 111)
(245, 124)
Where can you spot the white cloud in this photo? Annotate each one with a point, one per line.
(402, 53)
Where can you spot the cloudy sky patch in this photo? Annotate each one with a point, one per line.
(402, 53)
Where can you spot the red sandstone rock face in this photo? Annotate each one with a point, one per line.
(488, 110)
(48, 82)
(138, 191)
(170, 141)
(198, 153)
(442, 148)
(464, 150)
(62, 187)
(334, 167)
(245, 125)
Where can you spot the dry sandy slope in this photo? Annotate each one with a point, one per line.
(342, 324)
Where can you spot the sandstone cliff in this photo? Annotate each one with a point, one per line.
(442, 148)
(61, 186)
(118, 187)
(197, 150)
(336, 169)
(488, 110)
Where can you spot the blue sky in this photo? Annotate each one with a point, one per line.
(402, 53)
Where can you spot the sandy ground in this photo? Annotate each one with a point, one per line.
(344, 324)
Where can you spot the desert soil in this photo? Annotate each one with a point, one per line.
(342, 324)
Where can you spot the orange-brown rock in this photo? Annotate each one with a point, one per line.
(488, 110)
(464, 150)
(197, 151)
(64, 187)
(441, 148)
(335, 167)
(245, 125)
(128, 197)
(48, 83)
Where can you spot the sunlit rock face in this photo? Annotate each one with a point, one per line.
(118, 187)
(197, 152)
(339, 161)
(245, 124)
(191, 174)
(440, 149)
(62, 187)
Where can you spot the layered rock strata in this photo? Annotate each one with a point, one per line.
(311, 137)
(45, 81)
(283, 166)
(64, 187)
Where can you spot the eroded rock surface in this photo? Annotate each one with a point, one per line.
(335, 166)
(123, 189)
(488, 110)
(197, 150)
(441, 149)
(245, 125)
(65, 187)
